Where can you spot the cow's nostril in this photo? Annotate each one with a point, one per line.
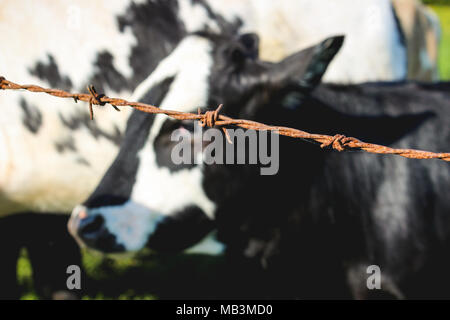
(91, 225)
(82, 214)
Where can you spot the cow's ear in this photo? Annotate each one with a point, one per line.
(307, 66)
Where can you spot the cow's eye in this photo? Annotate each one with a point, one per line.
(171, 125)
(187, 125)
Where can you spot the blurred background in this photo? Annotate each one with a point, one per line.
(157, 276)
(442, 9)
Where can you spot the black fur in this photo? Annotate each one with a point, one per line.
(225, 26)
(163, 146)
(67, 144)
(310, 236)
(81, 120)
(49, 72)
(107, 75)
(157, 28)
(327, 222)
(32, 117)
(181, 230)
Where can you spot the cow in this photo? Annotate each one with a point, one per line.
(326, 218)
(124, 43)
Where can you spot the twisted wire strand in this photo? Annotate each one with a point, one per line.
(213, 118)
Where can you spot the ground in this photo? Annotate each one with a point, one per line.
(177, 276)
(142, 276)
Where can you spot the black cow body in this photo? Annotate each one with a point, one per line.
(326, 216)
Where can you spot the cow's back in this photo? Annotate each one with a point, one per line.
(401, 206)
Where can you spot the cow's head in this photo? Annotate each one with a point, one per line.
(145, 199)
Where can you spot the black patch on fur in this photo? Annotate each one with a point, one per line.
(32, 117)
(225, 26)
(107, 75)
(82, 120)
(67, 144)
(157, 93)
(48, 71)
(157, 29)
(164, 145)
(181, 230)
(83, 161)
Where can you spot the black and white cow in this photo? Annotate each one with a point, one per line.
(325, 216)
(52, 156)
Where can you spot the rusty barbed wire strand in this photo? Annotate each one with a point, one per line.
(337, 142)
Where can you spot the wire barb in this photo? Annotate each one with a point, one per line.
(213, 118)
(209, 118)
(339, 142)
(95, 99)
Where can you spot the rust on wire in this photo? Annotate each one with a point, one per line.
(209, 120)
(214, 118)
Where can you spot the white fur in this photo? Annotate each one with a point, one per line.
(33, 176)
(130, 223)
(48, 29)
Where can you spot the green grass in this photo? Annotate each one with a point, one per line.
(24, 277)
(443, 2)
(443, 11)
(141, 276)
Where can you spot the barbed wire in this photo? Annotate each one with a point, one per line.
(337, 142)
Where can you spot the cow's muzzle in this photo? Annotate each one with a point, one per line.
(90, 230)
